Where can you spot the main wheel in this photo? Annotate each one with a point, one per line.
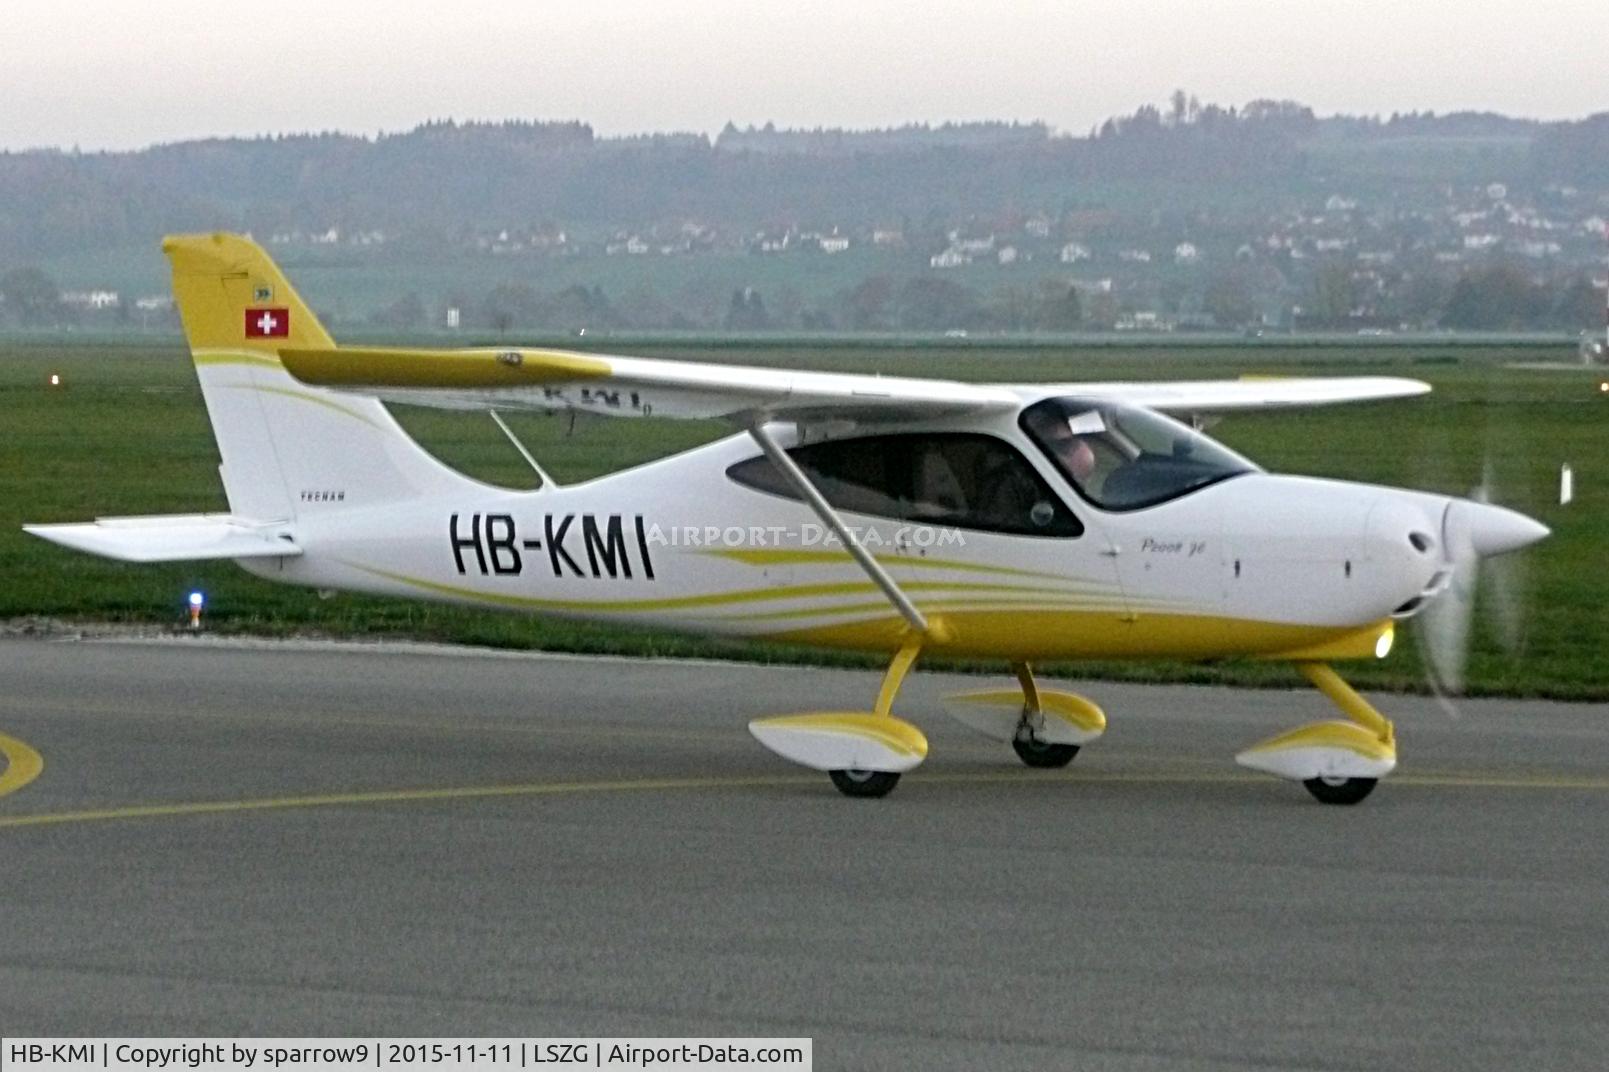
(1340, 790)
(864, 783)
(1043, 754)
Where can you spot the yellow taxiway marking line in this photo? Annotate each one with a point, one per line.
(391, 796)
(641, 785)
(23, 765)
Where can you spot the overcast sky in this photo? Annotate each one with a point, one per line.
(101, 74)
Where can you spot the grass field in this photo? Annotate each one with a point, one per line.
(127, 434)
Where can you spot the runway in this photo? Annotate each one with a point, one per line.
(282, 839)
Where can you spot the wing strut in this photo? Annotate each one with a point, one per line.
(829, 517)
(547, 481)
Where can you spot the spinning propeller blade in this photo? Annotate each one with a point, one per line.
(1473, 529)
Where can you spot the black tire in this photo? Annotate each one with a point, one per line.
(1043, 754)
(1340, 790)
(864, 783)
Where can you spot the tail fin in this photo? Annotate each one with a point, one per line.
(289, 450)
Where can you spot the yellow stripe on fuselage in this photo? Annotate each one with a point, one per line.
(843, 558)
(1054, 633)
(707, 599)
(1031, 631)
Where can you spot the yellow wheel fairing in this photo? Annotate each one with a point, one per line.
(1331, 734)
(1061, 718)
(1331, 749)
(843, 740)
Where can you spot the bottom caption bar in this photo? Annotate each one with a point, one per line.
(277, 1054)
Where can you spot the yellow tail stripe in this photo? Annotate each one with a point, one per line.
(229, 357)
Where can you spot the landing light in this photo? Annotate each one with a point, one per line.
(55, 380)
(1382, 646)
(197, 601)
(1603, 387)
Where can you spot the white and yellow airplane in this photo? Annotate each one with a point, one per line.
(1019, 522)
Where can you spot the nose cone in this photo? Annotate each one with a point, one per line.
(1495, 530)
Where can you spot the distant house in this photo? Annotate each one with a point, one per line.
(834, 243)
(774, 241)
(1146, 320)
(972, 247)
(94, 300)
(950, 258)
(1073, 252)
(1135, 256)
(1007, 255)
(1186, 253)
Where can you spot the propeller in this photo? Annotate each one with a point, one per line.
(1473, 531)
(1506, 579)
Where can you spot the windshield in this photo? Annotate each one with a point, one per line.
(1122, 457)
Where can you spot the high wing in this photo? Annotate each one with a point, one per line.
(516, 379)
(631, 386)
(1224, 396)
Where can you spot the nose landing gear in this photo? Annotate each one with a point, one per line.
(1338, 762)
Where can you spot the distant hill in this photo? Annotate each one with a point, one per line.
(443, 178)
(1187, 216)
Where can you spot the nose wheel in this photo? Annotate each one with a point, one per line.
(1337, 762)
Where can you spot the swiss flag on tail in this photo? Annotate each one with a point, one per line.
(268, 323)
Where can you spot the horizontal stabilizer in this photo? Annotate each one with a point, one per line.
(173, 538)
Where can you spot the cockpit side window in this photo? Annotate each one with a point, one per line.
(961, 479)
(1123, 457)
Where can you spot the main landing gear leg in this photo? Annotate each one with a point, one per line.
(1338, 762)
(863, 753)
(1028, 741)
(869, 783)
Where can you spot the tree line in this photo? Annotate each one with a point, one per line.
(431, 185)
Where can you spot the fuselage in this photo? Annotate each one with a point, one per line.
(1255, 564)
